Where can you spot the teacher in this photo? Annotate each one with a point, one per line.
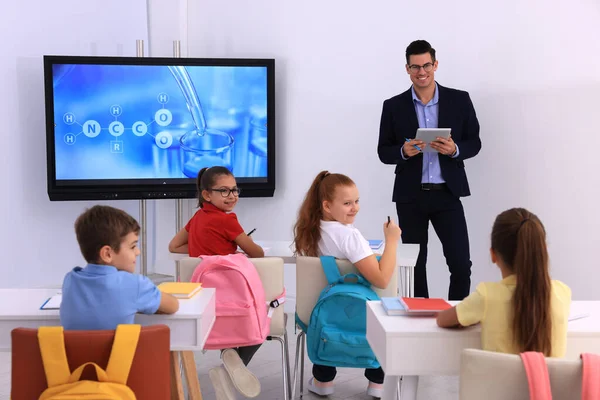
(429, 185)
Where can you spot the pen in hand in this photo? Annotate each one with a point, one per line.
(415, 146)
(251, 232)
(388, 221)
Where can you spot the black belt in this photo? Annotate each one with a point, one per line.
(433, 186)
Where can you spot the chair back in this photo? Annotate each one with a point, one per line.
(311, 280)
(270, 270)
(149, 376)
(498, 376)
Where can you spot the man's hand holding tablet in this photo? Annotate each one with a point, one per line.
(444, 145)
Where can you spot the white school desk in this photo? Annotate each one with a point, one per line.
(413, 346)
(406, 258)
(190, 326)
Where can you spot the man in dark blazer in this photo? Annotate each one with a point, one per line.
(428, 186)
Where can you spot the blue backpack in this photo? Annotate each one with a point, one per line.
(336, 334)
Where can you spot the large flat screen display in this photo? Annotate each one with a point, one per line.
(136, 128)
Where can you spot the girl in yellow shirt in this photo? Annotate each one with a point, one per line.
(525, 311)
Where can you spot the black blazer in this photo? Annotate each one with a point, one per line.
(399, 121)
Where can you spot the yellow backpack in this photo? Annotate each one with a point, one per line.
(111, 384)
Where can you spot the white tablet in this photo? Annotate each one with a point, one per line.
(428, 135)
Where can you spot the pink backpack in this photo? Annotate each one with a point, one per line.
(243, 314)
(539, 380)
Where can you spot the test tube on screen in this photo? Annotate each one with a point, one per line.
(258, 146)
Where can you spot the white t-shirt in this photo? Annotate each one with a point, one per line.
(343, 241)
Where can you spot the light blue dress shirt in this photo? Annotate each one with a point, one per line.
(427, 115)
(101, 297)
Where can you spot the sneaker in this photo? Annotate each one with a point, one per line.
(222, 383)
(375, 390)
(243, 379)
(320, 388)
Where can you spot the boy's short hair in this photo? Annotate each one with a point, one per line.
(100, 226)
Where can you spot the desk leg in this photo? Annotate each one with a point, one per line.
(390, 387)
(408, 387)
(176, 385)
(408, 284)
(411, 282)
(191, 375)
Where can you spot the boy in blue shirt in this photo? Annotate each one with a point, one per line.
(106, 292)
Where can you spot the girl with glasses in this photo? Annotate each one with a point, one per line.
(214, 229)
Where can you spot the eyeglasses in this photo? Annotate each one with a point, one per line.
(416, 68)
(226, 192)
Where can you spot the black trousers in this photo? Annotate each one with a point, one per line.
(446, 213)
(324, 373)
(246, 352)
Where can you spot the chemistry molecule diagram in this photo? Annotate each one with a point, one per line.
(91, 128)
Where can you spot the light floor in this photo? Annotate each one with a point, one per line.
(350, 383)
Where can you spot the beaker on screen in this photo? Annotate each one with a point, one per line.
(258, 147)
(211, 149)
(235, 122)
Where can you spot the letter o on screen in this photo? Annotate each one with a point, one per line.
(164, 140)
(163, 117)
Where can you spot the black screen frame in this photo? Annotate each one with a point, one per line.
(134, 189)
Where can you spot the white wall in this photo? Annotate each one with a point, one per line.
(530, 66)
(37, 240)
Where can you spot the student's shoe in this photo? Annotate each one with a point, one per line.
(375, 389)
(324, 388)
(243, 379)
(222, 383)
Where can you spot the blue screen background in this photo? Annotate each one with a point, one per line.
(150, 119)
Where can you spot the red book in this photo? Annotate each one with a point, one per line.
(416, 304)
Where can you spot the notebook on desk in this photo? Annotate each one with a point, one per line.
(393, 306)
(375, 244)
(53, 303)
(422, 306)
(181, 290)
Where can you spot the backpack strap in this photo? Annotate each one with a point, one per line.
(54, 356)
(590, 385)
(275, 303)
(123, 350)
(330, 268)
(100, 373)
(56, 366)
(537, 375)
(332, 273)
(301, 324)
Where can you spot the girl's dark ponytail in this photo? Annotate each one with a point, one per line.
(199, 187)
(519, 239)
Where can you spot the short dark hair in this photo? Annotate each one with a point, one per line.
(419, 47)
(100, 226)
(207, 178)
